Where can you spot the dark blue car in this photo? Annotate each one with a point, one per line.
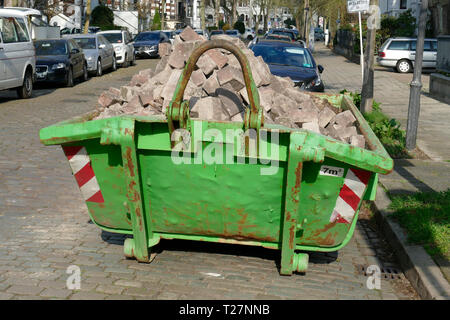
(146, 43)
(291, 59)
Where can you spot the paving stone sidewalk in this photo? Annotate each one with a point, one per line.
(44, 229)
(392, 90)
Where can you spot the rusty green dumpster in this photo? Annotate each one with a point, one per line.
(245, 183)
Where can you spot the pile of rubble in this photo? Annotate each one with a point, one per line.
(216, 91)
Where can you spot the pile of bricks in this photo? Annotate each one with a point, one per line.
(216, 91)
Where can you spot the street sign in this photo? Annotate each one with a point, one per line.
(358, 5)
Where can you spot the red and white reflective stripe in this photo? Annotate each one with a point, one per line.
(84, 174)
(355, 184)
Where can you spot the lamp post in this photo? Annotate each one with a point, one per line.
(416, 83)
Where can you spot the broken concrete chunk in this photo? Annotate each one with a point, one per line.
(128, 92)
(211, 84)
(303, 116)
(230, 101)
(219, 59)
(133, 106)
(206, 64)
(164, 49)
(189, 34)
(325, 116)
(311, 126)
(344, 119)
(232, 76)
(198, 78)
(209, 108)
(170, 86)
(161, 64)
(358, 141)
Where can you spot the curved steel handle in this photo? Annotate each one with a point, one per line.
(252, 90)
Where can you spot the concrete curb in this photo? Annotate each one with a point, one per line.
(423, 273)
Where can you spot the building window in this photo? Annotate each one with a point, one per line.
(403, 4)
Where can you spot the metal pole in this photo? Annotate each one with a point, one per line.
(361, 45)
(416, 83)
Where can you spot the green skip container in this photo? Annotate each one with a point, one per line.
(245, 183)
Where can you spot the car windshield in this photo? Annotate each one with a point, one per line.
(50, 47)
(216, 32)
(285, 56)
(147, 37)
(113, 37)
(283, 33)
(86, 43)
(232, 32)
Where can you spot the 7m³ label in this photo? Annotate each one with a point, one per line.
(331, 171)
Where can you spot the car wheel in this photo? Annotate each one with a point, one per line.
(26, 89)
(85, 73)
(125, 62)
(133, 62)
(99, 68)
(114, 64)
(404, 66)
(69, 79)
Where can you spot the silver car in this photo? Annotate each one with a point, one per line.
(400, 54)
(98, 51)
(122, 42)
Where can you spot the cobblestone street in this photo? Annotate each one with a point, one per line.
(45, 228)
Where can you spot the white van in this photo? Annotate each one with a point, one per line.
(17, 53)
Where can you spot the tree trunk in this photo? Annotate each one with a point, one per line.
(233, 13)
(88, 16)
(162, 14)
(217, 12)
(202, 15)
(367, 87)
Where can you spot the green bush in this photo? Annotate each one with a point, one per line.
(221, 24)
(240, 26)
(387, 130)
(102, 17)
(156, 25)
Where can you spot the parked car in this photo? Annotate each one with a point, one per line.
(98, 51)
(93, 29)
(284, 32)
(17, 54)
(214, 33)
(146, 43)
(400, 54)
(122, 41)
(279, 37)
(291, 59)
(249, 34)
(60, 60)
(233, 33)
(318, 34)
(170, 34)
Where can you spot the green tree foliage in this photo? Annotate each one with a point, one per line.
(240, 26)
(156, 25)
(102, 17)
